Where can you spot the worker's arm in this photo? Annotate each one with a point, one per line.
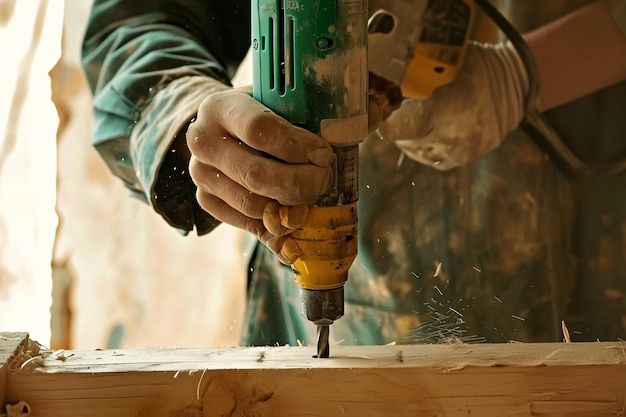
(165, 112)
(248, 164)
(577, 55)
(149, 65)
(580, 53)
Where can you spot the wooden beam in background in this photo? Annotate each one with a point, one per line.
(551, 379)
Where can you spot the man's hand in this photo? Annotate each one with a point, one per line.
(468, 118)
(256, 171)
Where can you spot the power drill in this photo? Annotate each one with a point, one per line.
(417, 45)
(310, 66)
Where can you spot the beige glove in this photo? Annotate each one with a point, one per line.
(468, 118)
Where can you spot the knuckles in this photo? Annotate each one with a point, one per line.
(262, 128)
(251, 207)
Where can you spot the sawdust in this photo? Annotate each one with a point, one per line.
(445, 323)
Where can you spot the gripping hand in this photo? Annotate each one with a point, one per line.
(468, 118)
(254, 170)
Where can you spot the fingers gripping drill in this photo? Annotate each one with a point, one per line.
(310, 67)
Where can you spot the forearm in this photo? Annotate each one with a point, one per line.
(149, 71)
(126, 70)
(578, 54)
(160, 155)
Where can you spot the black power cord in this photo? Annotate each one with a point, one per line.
(535, 124)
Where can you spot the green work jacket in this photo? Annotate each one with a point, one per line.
(506, 249)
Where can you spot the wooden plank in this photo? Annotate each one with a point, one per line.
(564, 379)
(9, 344)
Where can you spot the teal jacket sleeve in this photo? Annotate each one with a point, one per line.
(149, 64)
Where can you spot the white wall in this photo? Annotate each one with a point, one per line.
(30, 42)
(126, 278)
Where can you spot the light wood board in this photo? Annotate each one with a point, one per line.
(551, 379)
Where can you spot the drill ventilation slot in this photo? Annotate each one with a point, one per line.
(281, 44)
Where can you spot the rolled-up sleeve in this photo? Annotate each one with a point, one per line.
(149, 65)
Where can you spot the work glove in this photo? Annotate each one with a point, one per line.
(464, 120)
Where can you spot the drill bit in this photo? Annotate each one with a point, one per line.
(323, 349)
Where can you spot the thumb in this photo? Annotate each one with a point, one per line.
(412, 120)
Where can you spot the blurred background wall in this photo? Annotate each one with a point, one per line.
(29, 47)
(82, 265)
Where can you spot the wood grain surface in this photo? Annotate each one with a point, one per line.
(516, 379)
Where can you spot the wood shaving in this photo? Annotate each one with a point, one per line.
(565, 333)
(458, 367)
(59, 355)
(437, 270)
(28, 356)
(199, 384)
